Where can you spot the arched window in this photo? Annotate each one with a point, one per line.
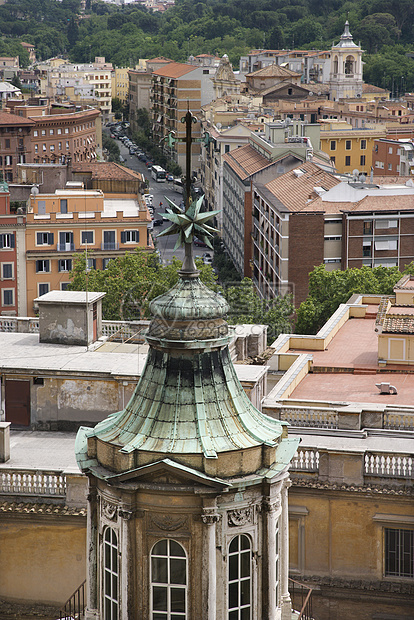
(110, 574)
(335, 65)
(349, 65)
(168, 581)
(240, 578)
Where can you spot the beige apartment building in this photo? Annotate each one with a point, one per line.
(69, 222)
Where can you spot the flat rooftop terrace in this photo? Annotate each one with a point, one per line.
(354, 346)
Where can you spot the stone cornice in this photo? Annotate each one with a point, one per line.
(351, 488)
(12, 509)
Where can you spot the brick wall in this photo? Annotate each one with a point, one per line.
(306, 243)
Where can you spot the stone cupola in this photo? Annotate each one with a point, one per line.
(188, 483)
(345, 78)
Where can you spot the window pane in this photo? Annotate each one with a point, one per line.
(245, 613)
(177, 571)
(245, 592)
(114, 560)
(233, 567)
(245, 542)
(159, 598)
(159, 570)
(159, 617)
(160, 548)
(178, 599)
(234, 545)
(245, 564)
(233, 595)
(176, 549)
(234, 615)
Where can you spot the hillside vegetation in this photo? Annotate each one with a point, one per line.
(125, 34)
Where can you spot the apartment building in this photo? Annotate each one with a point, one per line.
(308, 217)
(15, 143)
(349, 148)
(120, 83)
(12, 257)
(140, 86)
(393, 157)
(281, 147)
(69, 222)
(175, 89)
(59, 130)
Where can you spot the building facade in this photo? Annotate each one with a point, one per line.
(15, 143)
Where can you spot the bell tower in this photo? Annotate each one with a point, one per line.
(345, 78)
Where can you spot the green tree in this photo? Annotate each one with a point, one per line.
(329, 289)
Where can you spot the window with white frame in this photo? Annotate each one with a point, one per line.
(168, 581)
(7, 271)
(43, 288)
(110, 574)
(35, 133)
(130, 236)
(64, 264)
(42, 266)
(7, 241)
(64, 286)
(240, 578)
(7, 297)
(87, 237)
(398, 552)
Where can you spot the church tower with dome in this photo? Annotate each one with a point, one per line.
(345, 78)
(187, 505)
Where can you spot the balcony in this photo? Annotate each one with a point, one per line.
(110, 245)
(65, 247)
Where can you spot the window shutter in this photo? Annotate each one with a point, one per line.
(59, 265)
(50, 238)
(94, 263)
(12, 241)
(39, 238)
(137, 236)
(1, 241)
(37, 266)
(123, 237)
(47, 268)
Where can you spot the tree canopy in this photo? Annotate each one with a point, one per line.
(133, 280)
(124, 34)
(329, 289)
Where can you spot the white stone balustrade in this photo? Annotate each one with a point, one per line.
(305, 460)
(389, 465)
(38, 483)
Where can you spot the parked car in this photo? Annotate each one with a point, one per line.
(169, 177)
(199, 243)
(158, 222)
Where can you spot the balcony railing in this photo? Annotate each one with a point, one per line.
(110, 245)
(65, 247)
(75, 606)
(301, 596)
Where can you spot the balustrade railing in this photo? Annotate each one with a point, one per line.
(305, 460)
(398, 420)
(31, 482)
(388, 465)
(310, 417)
(301, 596)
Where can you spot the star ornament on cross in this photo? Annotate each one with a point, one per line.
(189, 224)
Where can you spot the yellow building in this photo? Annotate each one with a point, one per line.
(348, 148)
(120, 83)
(395, 325)
(68, 222)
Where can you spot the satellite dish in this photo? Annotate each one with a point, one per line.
(34, 191)
(218, 125)
(310, 93)
(355, 172)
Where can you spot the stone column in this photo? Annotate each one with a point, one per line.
(210, 518)
(92, 605)
(286, 603)
(126, 609)
(272, 509)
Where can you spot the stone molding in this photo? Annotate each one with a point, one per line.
(210, 516)
(352, 488)
(169, 523)
(109, 510)
(383, 586)
(240, 516)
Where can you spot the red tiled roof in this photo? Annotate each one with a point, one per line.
(295, 191)
(107, 170)
(13, 119)
(273, 71)
(174, 70)
(246, 161)
(385, 203)
(398, 325)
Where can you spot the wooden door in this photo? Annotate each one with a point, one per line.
(18, 402)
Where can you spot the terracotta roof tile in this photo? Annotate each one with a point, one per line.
(13, 119)
(174, 70)
(41, 509)
(273, 71)
(107, 170)
(294, 192)
(400, 325)
(246, 161)
(385, 203)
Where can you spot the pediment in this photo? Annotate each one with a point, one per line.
(168, 471)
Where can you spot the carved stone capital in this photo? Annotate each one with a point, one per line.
(239, 516)
(125, 514)
(271, 505)
(209, 516)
